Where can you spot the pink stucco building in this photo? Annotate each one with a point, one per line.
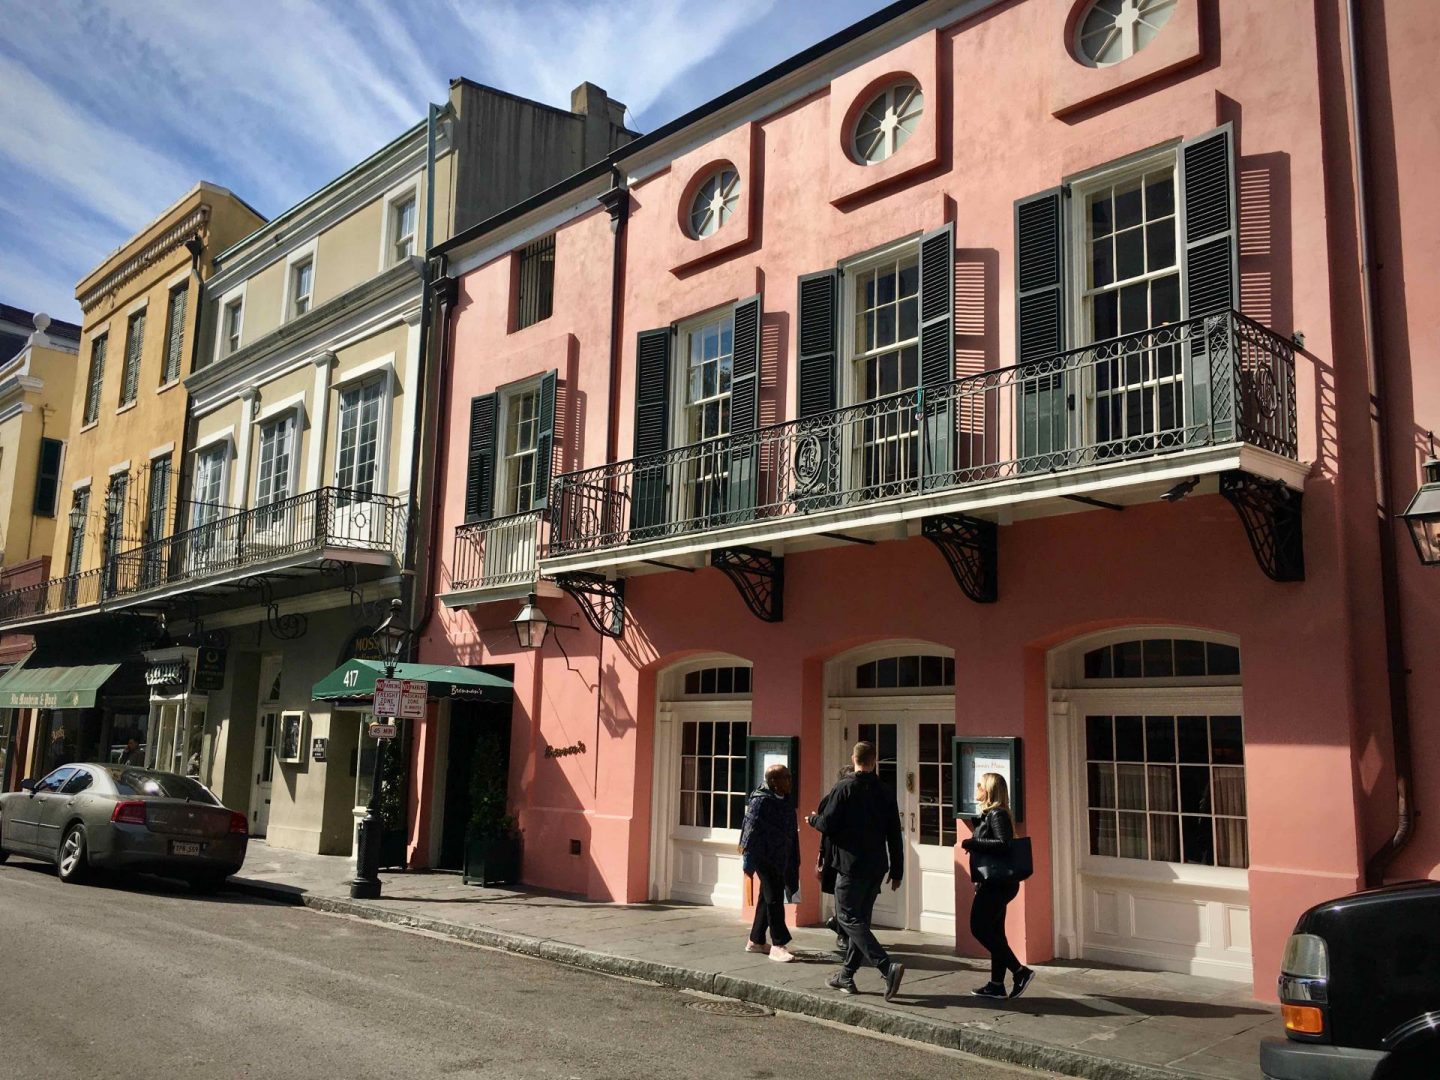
(990, 370)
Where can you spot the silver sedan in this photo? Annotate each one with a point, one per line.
(86, 816)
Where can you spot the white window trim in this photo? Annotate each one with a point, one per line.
(161, 451)
(225, 440)
(295, 402)
(117, 469)
(204, 442)
(847, 390)
(389, 201)
(83, 482)
(680, 362)
(221, 336)
(1067, 664)
(506, 397)
(137, 306)
(305, 253)
(341, 379)
(180, 277)
(382, 432)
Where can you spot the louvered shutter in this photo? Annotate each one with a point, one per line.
(937, 349)
(816, 343)
(1207, 201)
(743, 477)
(480, 466)
(545, 441)
(134, 343)
(175, 339)
(649, 484)
(96, 381)
(47, 478)
(1042, 399)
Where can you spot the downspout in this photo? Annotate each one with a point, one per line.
(1389, 574)
(196, 247)
(617, 202)
(417, 601)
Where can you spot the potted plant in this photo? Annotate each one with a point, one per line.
(394, 834)
(492, 845)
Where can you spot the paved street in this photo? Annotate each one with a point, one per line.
(97, 981)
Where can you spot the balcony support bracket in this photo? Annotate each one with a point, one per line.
(758, 575)
(601, 601)
(1270, 512)
(285, 627)
(345, 571)
(970, 547)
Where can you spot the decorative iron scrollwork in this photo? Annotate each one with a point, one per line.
(758, 575)
(345, 571)
(601, 601)
(970, 547)
(285, 627)
(1270, 512)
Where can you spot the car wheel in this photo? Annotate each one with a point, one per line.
(74, 856)
(207, 884)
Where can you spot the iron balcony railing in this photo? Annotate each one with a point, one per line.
(498, 552)
(53, 597)
(313, 521)
(1201, 382)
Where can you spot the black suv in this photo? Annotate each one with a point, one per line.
(1360, 989)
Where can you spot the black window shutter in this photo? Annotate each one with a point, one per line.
(545, 441)
(937, 346)
(1207, 185)
(1042, 400)
(743, 475)
(816, 342)
(1211, 273)
(480, 468)
(47, 479)
(652, 431)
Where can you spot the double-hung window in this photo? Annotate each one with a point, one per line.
(174, 335)
(97, 378)
(79, 516)
(206, 506)
(276, 468)
(302, 279)
(402, 229)
(134, 344)
(522, 442)
(884, 349)
(232, 319)
(357, 461)
(157, 509)
(708, 355)
(1131, 286)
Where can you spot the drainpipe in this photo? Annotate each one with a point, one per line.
(444, 294)
(617, 202)
(196, 247)
(1389, 574)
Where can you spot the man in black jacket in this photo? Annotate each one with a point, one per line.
(861, 820)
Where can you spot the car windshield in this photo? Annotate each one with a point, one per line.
(160, 785)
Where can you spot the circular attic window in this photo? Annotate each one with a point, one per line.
(714, 202)
(887, 122)
(1114, 30)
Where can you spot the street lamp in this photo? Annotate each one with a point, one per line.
(77, 519)
(391, 635)
(531, 625)
(1422, 516)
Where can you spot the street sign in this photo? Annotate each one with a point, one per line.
(387, 696)
(413, 695)
(382, 731)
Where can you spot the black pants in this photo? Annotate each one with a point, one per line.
(770, 908)
(987, 923)
(854, 904)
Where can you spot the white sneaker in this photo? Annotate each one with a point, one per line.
(750, 946)
(781, 955)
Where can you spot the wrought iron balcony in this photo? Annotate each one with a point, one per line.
(497, 554)
(1215, 381)
(329, 521)
(54, 597)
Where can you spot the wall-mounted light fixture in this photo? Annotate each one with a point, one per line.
(1422, 516)
(532, 624)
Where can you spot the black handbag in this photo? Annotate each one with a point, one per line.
(1014, 863)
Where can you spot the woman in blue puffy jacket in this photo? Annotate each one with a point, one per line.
(770, 843)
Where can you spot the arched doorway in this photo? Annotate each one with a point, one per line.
(900, 696)
(702, 719)
(1151, 845)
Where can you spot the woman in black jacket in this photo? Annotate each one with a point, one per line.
(993, 831)
(770, 842)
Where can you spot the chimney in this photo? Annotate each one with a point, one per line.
(603, 116)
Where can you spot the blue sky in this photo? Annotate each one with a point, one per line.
(111, 109)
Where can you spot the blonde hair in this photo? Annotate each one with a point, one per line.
(996, 792)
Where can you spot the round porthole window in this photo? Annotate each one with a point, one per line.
(887, 122)
(1114, 30)
(714, 202)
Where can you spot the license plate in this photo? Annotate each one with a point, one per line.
(186, 847)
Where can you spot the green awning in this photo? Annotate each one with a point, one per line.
(24, 687)
(354, 680)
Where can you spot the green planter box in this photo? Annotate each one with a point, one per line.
(492, 860)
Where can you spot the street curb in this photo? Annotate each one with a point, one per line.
(974, 1039)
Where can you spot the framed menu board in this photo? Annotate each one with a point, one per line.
(971, 757)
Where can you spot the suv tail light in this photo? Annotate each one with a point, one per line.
(129, 812)
(1304, 985)
(239, 824)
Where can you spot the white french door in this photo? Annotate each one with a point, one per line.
(266, 731)
(912, 741)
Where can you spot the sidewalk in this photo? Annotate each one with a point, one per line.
(1100, 1023)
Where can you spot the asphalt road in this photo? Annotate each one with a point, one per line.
(136, 977)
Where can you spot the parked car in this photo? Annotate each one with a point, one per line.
(87, 816)
(1360, 989)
